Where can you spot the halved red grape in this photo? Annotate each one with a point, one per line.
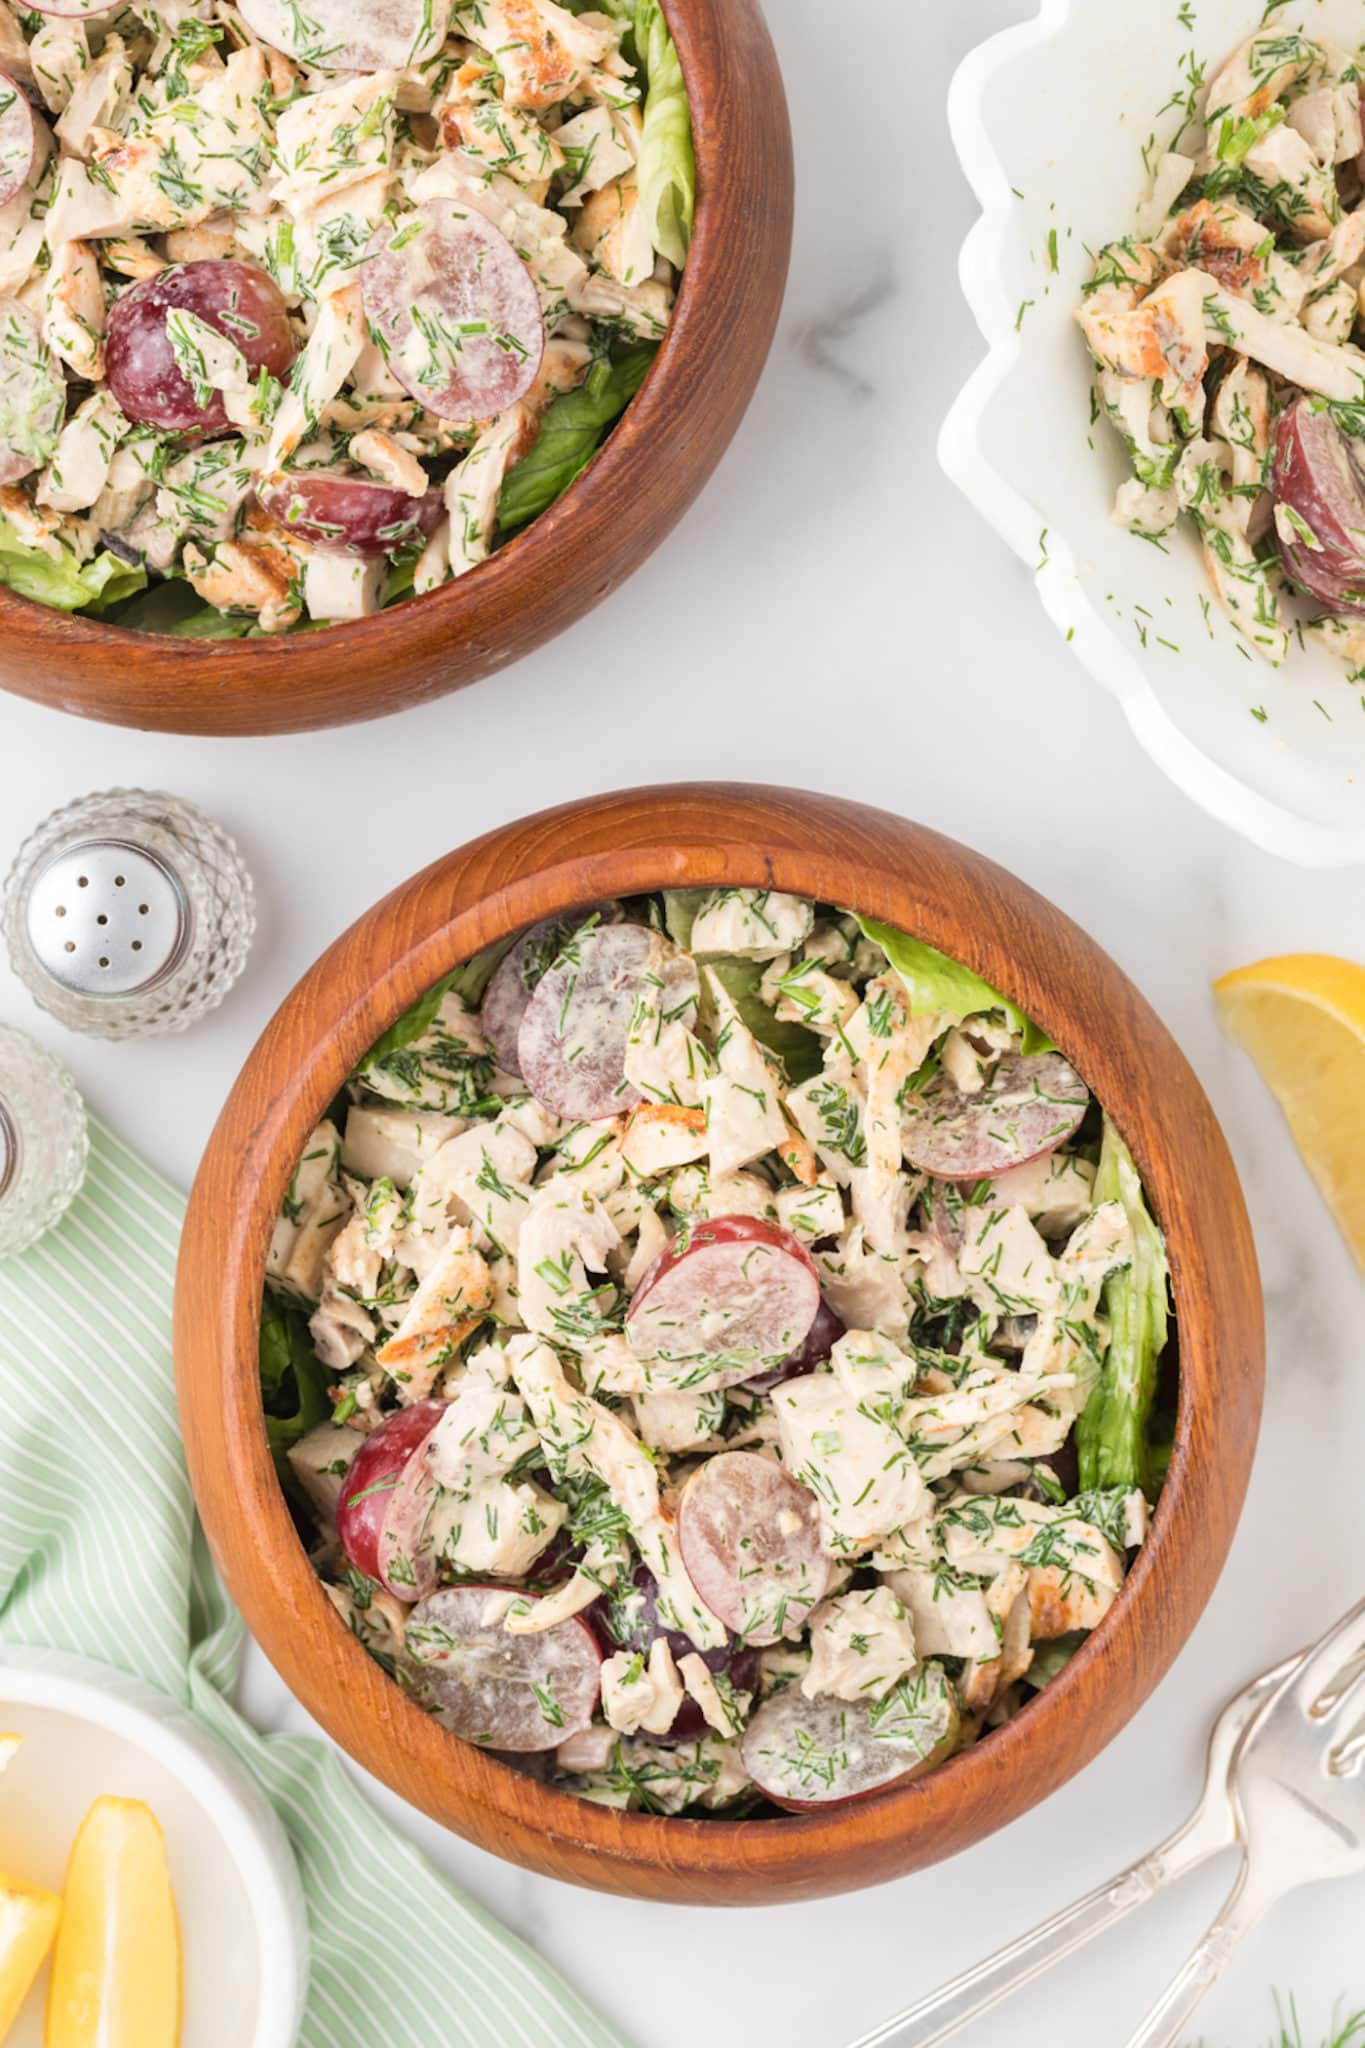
(571, 1044)
(501, 1691)
(382, 1508)
(944, 1202)
(455, 310)
(823, 1752)
(18, 138)
(518, 974)
(637, 1627)
(239, 301)
(1318, 484)
(813, 1350)
(345, 513)
(737, 1290)
(1030, 1103)
(750, 1538)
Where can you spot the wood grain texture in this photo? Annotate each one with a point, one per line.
(655, 463)
(689, 836)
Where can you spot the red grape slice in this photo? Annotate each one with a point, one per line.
(571, 1046)
(18, 138)
(1316, 475)
(734, 1298)
(520, 1693)
(240, 302)
(350, 35)
(1028, 1106)
(32, 394)
(945, 1218)
(383, 1505)
(455, 311)
(517, 976)
(407, 1544)
(344, 513)
(823, 1752)
(750, 1539)
(641, 1629)
(814, 1349)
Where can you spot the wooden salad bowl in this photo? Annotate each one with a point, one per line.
(654, 464)
(712, 835)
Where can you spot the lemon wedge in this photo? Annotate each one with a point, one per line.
(1302, 1019)
(28, 1921)
(116, 1972)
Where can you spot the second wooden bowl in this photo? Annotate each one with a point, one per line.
(591, 540)
(689, 837)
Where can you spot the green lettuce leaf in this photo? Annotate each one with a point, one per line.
(64, 583)
(668, 167)
(1050, 1659)
(571, 433)
(294, 1380)
(667, 172)
(1112, 1434)
(800, 1051)
(467, 981)
(680, 913)
(934, 982)
(176, 608)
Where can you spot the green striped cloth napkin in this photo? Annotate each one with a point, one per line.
(101, 1555)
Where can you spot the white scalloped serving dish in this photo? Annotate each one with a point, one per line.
(1049, 119)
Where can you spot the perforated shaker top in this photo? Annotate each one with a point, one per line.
(106, 918)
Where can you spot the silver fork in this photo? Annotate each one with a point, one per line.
(1211, 1828)
(1300, 1802)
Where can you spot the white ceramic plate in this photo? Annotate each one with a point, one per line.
(88, 1730)
(1049, 120)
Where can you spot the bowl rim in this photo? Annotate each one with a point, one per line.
(1091, 637)
(531, 574)
(101, 1696)
(675, 837)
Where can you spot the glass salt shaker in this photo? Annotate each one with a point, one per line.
(43, 1142)
(127, 914)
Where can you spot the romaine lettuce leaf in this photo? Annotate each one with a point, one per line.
(176, 608)
(680, 913)
(63, 582)
(571, 433)
(1050, 1659)
(1112, 1434)
(800, 1051)
(934, 982)
(468, 981)
(294, 1380)
(668, 166)
(667, 171)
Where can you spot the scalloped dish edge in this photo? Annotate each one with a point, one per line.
(1268, 825)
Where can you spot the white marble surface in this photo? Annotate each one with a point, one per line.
(832, 615)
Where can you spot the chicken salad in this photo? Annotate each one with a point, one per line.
(713, 1349)
(308, 308)
(1225, 331)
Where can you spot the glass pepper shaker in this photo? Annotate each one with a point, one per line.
(43, 1141)
(127, 914)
